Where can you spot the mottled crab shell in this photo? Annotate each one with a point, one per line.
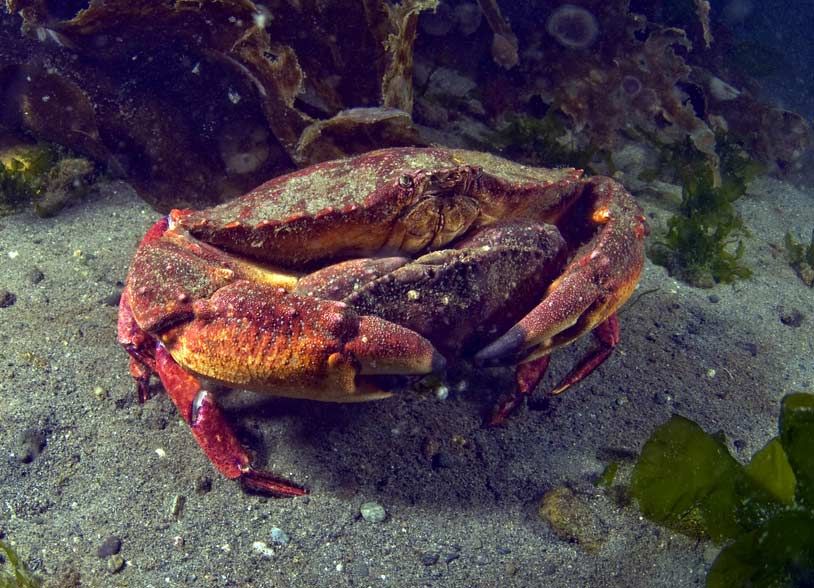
(379, 201)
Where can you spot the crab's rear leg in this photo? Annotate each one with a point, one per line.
(205, 418)
(529, 374)
(608, 336)
(139, 345)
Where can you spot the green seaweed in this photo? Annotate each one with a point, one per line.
(608, 475)
(702, 244)
(14, 574)
(686, 479)
(801, 257)
(539, 140)
(43, 175)
(23, 174)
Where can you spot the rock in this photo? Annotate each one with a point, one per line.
(429, 558)
(203, 485)
(115, 564)
(358, 569)
(791, 318)
(446, 82)
(112, 299)
(7, 298)
(110, 546)
(31, 442)
(279, 536)
(34, 276)
(263, 549)
(373, 512)
(572, 519)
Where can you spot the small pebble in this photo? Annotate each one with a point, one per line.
(178, 502)
(34, 276)
(451, 557)
(7, 298)
(714, 298)
(373, 512)
(429, 558)
(358, 569)
(504, 550)
(203, 485)
(792, 318)
(115, 563)
(279, 536)
(32, 442)
(100, 393)
(112, 299)
(110, 546)
(262, 549)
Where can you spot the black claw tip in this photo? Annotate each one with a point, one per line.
(507, 347)
(439, 363)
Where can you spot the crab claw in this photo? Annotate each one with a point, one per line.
(596, 282)
(261, 338)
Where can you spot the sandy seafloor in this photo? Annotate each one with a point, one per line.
(721, 357)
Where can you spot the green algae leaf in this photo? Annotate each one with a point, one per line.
(608, 475)
(777, 555)
(14, 573)
(770, 470)
(686, 479)
(797, 437)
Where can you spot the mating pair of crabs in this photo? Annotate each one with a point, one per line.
(319, 282)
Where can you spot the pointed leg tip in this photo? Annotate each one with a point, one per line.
(559, 389)
(270, 485)
(501, 411)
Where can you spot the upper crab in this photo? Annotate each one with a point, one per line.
(319, 281)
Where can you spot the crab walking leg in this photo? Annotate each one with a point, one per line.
(529, 374)
(138, 345)
(608, 336)
(526, 378)
(212, 431)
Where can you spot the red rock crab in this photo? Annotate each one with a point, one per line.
(319, 282)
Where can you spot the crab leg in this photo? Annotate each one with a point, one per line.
(138, 345)
(212, 431)
(529, 374)
(526, 377)
(608, 336)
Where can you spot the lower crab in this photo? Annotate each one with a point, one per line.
(319, 282)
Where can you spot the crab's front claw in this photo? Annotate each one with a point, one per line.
(257, 337)
(595, 283)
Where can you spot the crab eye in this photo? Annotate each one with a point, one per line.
(406, 181)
